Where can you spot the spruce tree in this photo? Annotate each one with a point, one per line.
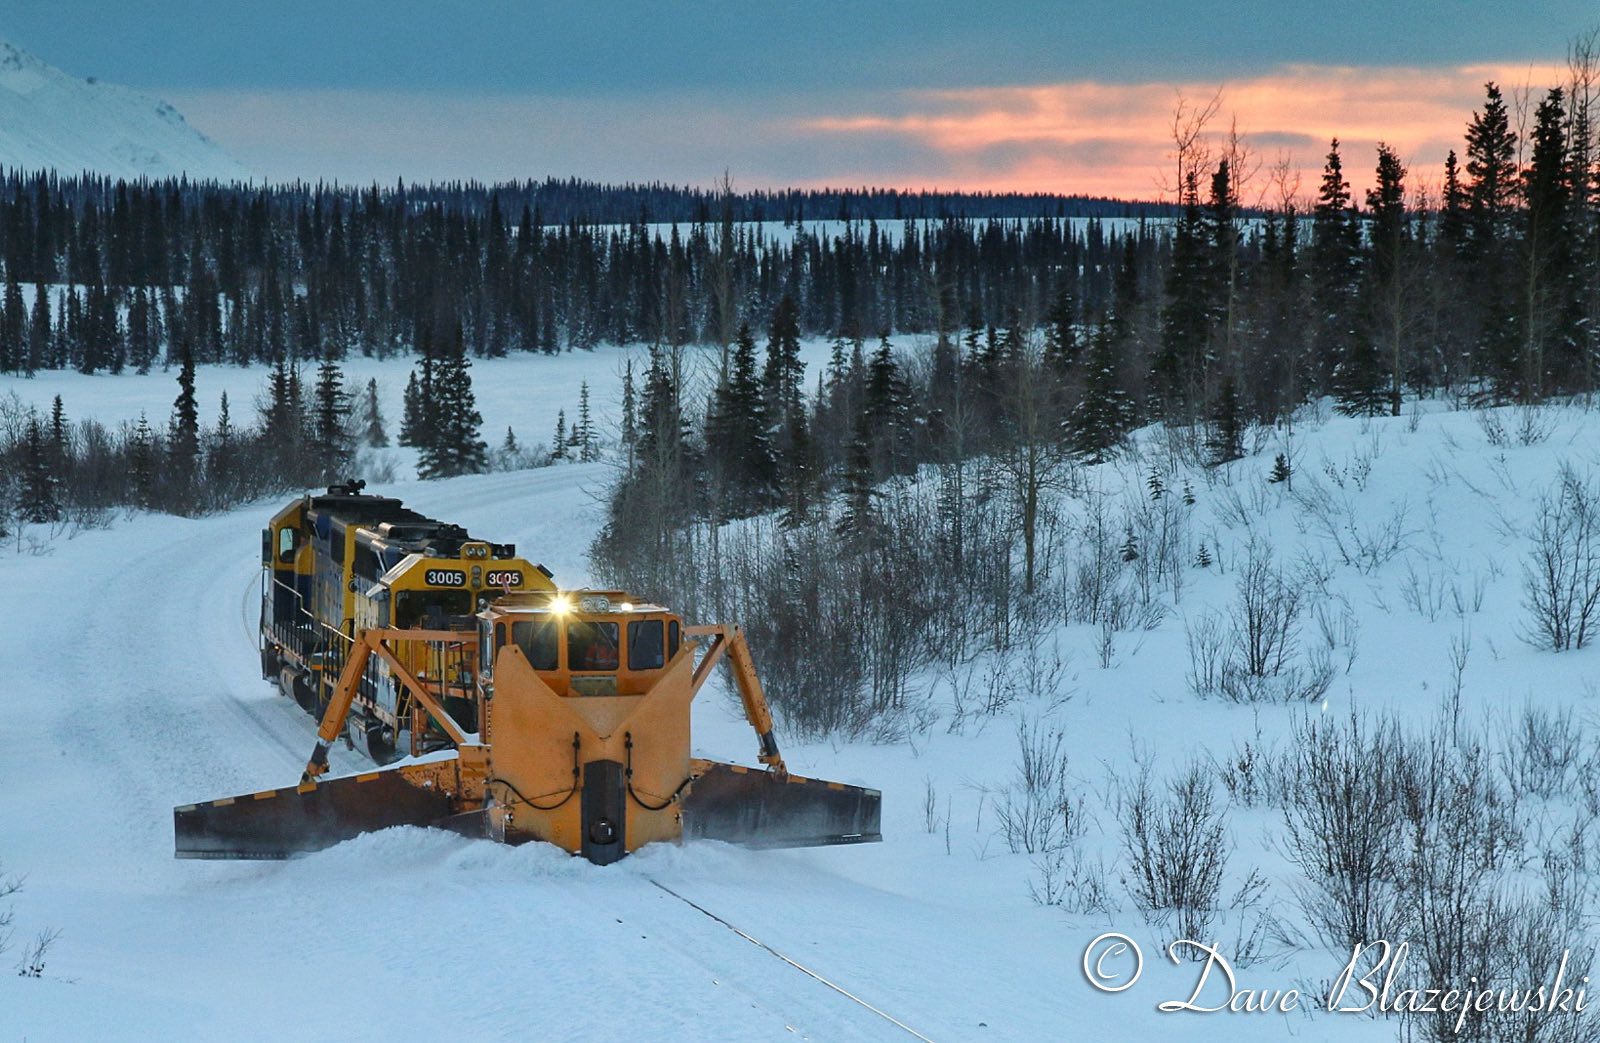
(280, 413)
(372, 424)
(1185, 320)
(221, 456)
(60, 439)
(13, 328)
(1366, 380)
(1491, 200)
(1548, 313)
(141, 350)
(886, 413)
(38, 331)
(784, 371)
(558, 442)
(454, 447)
(797, 471)
(421, 409)
(1225, 440)
(588, 449)
(183, 432)
(630, 422)
(1492, 166)
(1334, 269)
(330, 435)
(37, 503)
(737, 432)
(1061, 342)
(1101, 417)
(411, 411)
(1222, 232)
(142, 464)
(1281, 470)
(1453, 204)
(860, 487)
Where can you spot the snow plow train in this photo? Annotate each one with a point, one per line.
(495, 705)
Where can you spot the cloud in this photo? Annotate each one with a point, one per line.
(1080, 136)
(1114, 139)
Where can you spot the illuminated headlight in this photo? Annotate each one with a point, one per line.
(627, 606)
(561, 603)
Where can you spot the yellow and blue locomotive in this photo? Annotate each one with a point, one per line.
(345, 560)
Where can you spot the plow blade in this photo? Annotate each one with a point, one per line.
(757, 809)
(283, 822)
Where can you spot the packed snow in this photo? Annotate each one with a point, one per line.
(133, 686)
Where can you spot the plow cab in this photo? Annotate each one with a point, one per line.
(572, 727)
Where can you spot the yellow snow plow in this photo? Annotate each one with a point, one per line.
(560, 717)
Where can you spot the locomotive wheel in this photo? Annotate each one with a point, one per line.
(306, 696)
(375, 741)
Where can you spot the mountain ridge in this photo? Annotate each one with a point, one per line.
(52, 120)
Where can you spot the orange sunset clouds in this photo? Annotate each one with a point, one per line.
(1114, 139)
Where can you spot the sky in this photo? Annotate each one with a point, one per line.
(1059, 97)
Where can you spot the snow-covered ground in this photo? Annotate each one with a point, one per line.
(131, 686)
(523, 392)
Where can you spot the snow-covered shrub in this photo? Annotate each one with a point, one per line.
(1561, 577)
(1535, 422)
(1363, 545)
(1248, 771)
(1253, 652)
(1036, 812)
(1068, 878)
(1341, 781)
(1174, 839)
(1493, 426)
(1461, 915)
(8, 887)
(32, 962)
(1542, 750)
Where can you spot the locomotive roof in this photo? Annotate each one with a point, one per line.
(411, 528)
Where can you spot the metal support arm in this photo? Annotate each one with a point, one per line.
(728, 639)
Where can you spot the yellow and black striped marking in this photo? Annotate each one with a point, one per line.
(313, 815)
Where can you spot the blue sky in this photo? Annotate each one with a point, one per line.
(364, 89)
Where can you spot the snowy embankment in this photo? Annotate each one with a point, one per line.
(133, 687)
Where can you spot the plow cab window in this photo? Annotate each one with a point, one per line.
(591, 646)
(646, 650)
(538, 641)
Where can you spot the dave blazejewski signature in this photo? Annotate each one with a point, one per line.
(1374, 980)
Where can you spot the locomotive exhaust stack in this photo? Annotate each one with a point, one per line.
(544, 715)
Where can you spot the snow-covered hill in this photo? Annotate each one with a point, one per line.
(52, 120)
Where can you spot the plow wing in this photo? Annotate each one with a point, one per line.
(309, 817)
(761, 809)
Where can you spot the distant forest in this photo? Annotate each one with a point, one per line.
(133, 273)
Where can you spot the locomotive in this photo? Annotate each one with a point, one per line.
(497, 705)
